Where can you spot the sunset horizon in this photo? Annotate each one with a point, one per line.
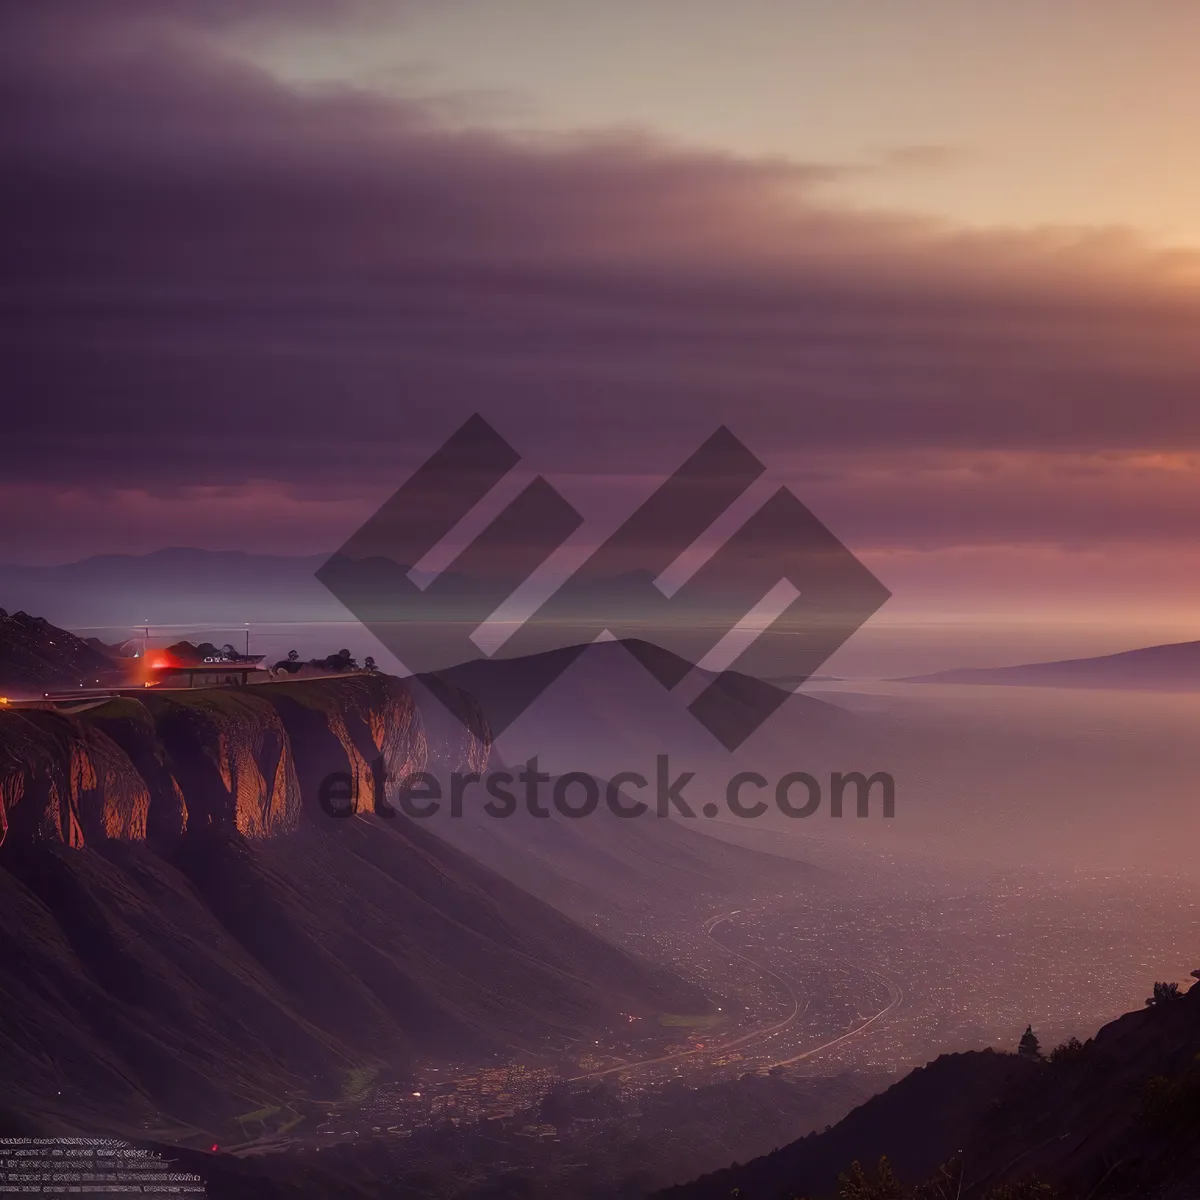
(600, 601)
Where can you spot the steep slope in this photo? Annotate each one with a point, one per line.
(189, 937)
(1116, 1117)
(917, 1123)
(607, 716)
(35, 655)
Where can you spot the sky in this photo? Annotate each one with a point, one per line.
(937, 264)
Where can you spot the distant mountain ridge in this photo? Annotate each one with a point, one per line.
(1172, 667)
(176, 585)
(185, 586)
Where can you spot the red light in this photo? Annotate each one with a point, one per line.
(158, 663)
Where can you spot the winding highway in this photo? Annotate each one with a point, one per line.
(895, 997)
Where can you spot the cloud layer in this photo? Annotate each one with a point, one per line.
(215, 281)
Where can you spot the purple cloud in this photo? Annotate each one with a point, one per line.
(212, 279)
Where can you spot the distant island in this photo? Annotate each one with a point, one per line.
(1174, 667)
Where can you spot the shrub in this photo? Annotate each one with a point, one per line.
(857, 1185)
(1163, 994)
(1072, 1050)
(1173, 1105)
(1027, 1189)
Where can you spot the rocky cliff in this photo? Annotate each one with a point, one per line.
(188, 936)
(161, 764)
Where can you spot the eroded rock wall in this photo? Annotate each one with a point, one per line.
(250, 759)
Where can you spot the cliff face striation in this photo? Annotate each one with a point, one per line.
(65, 781)
(189, 937)
(160, 765)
